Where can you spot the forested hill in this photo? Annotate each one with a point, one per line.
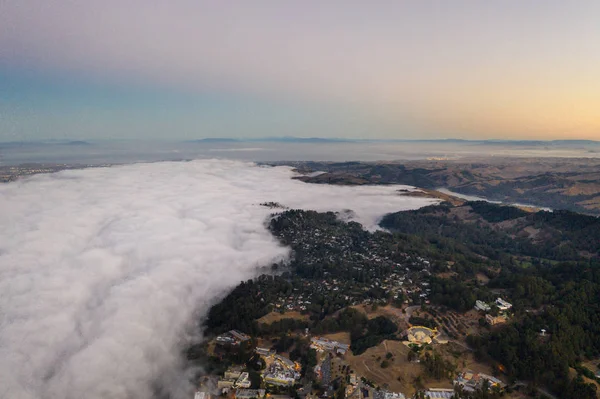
(443, 258)
(493, 231)
(547, 263)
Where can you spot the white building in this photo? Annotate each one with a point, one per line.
(439, 393)
(480, 305)
(393, 395)
(264, 352)
(324, 344)
(502, 304)
(249, 393)
(243, 381)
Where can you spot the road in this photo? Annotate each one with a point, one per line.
(465, 346)
(540, 390)
(410, 310)
(376, 373)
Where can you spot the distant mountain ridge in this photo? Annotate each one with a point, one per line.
(285, 139)
(557, 184)
(292, 139)
(12, 144)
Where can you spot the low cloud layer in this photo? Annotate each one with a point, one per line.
(102, 270)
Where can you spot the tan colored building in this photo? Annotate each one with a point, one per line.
(492, 321)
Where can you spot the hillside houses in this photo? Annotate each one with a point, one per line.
(324, 344)
(470, 381)
(232, 337)
(484, 307)
(502, 304)
(281, 371)
(345, 263)
(234, 378)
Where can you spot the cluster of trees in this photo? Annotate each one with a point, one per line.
(249, 301)
(577, 388)
(422, 321)
(581, 231)
(372, 334)
(570, 295)
(437, 367)
(283, 326)
(566, 235)
(496, 213)
(455, 294)
(305, 355)
(346, 320)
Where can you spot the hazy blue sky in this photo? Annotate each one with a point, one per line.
(362, 69)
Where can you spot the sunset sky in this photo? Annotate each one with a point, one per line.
(186, 69)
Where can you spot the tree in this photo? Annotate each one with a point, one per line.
(412, 356)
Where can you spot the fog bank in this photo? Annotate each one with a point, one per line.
(102, 269)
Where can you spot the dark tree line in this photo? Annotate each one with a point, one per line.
(570, 293)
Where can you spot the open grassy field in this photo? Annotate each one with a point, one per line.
(592, 366)
(399, 376)
(276, 316)
(393, 313)
(343, 337)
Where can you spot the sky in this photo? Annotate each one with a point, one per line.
(187, 69)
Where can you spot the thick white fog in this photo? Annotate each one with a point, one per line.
(101, 270)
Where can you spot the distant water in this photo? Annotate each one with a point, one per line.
(136, 151)
(475, 198)
(102, 152)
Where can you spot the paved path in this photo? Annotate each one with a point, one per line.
(540, 390)
(465, 346)
(377, 374)
(409, 311)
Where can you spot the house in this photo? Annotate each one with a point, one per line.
(225, 384)
(279, 380)
(234, 378)
(264, 352)
(439, 393)
(202, 395)
(233, 373)
(250, 393)
(239, 336)
(282, 372)
(286, 362)
(480, 305)
(502, 304)
(324, 344)
(353, 379)
(492, 321)
(393, 395)
(233, 337)
(471, 381)
(341, 349)
(243, 381)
